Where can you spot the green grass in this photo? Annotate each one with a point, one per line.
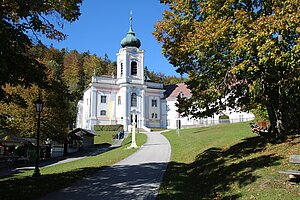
(104, 137)
(23, 186)
(228, 162)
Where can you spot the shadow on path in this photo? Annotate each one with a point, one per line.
(117, 182)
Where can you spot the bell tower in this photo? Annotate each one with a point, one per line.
(130, 59)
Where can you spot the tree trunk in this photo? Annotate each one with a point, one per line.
(272, 118)
(280, 125)
(277, 123)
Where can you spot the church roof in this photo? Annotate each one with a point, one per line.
(130, 39)
(172, 91)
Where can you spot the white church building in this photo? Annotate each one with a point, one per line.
(112, 100)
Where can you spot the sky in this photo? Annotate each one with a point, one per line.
(103, 24)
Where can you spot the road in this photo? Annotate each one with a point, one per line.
(136, 177)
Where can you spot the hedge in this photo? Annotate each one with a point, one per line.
(223, 117)
(116, 127)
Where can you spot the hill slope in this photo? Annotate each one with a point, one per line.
(228, 162)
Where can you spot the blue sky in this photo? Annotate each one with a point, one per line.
(103, 24)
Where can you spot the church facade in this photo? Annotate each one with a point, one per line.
(114, 100)
(129, 96)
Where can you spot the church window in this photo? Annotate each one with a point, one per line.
(133, 68)
(152, 115)
(103, 99)
(103, 112)
(119, 100)
(121, 69)
(154, 103)
(155, 115)
(133, 100)
(167, 108)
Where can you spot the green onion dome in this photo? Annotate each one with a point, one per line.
(130, 39)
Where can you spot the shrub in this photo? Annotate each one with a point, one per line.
(223, 117)
(116, 127)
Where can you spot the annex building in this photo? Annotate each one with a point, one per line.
(114, 100)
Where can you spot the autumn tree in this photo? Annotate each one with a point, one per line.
(57, 112)
(21, 23)
(161, 77)
(237, 54)
(21, 71)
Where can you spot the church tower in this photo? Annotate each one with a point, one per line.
(126, 97)
(130, 78)
(130, 59)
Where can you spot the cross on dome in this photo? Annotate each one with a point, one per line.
(130, 39)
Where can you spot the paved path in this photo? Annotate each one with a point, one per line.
(91, 151)
(136, 177)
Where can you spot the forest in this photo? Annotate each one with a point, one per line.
(68, 74)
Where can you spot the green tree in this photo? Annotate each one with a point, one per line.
(57, 112)
(21, 24)
(90, 64)
(161, 77)
(237, 54)
(73, 71)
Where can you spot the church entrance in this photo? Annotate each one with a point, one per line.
(136, 120)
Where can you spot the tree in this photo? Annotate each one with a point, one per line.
(161, 77)
(21, 23)
(72, 71)
(22, 70)
(57, 110)
(239, 54)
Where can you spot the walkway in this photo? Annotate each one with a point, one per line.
(90, 151)
(136, 177)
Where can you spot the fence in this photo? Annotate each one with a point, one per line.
(211, 122)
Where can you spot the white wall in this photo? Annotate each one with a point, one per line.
(172, 116)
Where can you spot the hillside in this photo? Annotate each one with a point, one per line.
(228, 162)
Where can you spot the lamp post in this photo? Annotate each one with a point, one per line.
(39, 108)
(133, 141)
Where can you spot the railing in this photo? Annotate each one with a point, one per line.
(210, 122)
(104, 79)
(154, 85)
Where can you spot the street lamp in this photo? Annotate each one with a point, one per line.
(39, 107)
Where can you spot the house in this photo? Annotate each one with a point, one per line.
(171, 116)
(85, 136)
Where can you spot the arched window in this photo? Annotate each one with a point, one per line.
(121, 69)
(133, 100)
(133, 68)
(103, 112)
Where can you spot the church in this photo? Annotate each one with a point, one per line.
(130, 96)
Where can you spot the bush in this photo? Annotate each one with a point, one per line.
(223, 117)
(116, 127)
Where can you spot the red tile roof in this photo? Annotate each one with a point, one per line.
(172, 91)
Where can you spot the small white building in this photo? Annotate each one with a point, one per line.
(170, 114)
(114, 100)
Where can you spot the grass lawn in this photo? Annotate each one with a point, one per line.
(104, 137)
(228, 162)
(23, 186)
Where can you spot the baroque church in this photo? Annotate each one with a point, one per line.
(118, 100)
